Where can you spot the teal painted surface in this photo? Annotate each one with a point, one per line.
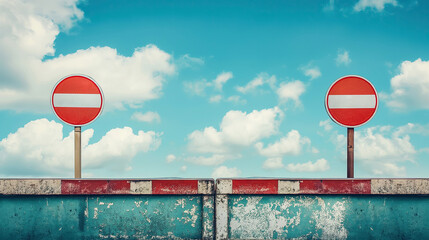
(328, 217)
(110, 217)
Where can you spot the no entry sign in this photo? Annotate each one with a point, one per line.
(351, 101)
(77, 100)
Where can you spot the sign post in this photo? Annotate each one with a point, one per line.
(77, 100)
(77, 152)
(351, 101)
(350, 152)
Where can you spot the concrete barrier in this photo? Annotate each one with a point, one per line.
(322, 209)
(106, 209)
(191, 209)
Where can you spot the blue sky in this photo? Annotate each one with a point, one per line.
(214, 88)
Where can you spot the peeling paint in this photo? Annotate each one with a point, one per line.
(252, 220)
(87, 208)
(95, 213)
(330, 219)
(287, 217)
(208, 217)
(138, 203)
(180, 202)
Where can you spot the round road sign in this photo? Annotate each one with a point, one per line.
(351, 101)
(77, 100)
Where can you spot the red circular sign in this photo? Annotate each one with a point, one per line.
(351, 101)
(77, 100)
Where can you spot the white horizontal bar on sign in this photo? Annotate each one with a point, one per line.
(77, 100)
(351, 101)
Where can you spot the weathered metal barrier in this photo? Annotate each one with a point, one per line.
(106, 209)
(322, 209)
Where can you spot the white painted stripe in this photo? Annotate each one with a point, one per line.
(205, 187)
(77, 100)
(400, 186)
(224, 186)
(288, 187)
(221, 216)
(141, 187)
(351, 101)
(30, 186)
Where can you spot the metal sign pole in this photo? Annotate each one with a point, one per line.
(77, 152)
(350, 152)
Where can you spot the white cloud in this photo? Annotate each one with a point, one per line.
(289, 145)
(381, 149)
(390, 169)
(146, 117)
(412, 128)
(372, 144)
(260, 80)
(215, 99)
(291, 91)
(343, 58)
(320, 165)
(410, 88)
(314, 150)
(312, 72)
(221, 79)
(196, 88)
(374, 4)
(183, 168)
(236, 129)
(326, 125)
(39, 149)
(225, 172)
(199, 87)
(170, 158)
(236, 99)
(212, 160)
(208, 141)
(188, 61)
(330, 6)
(273, 163)
(240, 128)
(29, 30)
(124, 80)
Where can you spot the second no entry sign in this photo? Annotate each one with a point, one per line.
(351, 101)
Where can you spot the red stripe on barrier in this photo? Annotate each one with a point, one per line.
(335, 187)
(95, 187)
(174, 186)
(244, 186)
